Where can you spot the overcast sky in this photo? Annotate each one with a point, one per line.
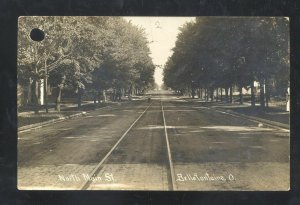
(161, 33)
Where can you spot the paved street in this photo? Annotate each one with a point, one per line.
(166, 144)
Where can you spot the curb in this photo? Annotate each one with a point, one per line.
(268, 122)
(45, 123)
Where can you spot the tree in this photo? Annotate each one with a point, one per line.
(83, 52)
(126, 60)
(218, 52)
(63, 37)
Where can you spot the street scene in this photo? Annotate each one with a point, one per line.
(153, 103)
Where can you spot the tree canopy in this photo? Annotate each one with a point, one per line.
(84, 52)
(218, 52)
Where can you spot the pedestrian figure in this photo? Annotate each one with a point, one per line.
(149, 99)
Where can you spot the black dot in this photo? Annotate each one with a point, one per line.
(37, 34)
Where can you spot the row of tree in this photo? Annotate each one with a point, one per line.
(83, 53)
(217, 53)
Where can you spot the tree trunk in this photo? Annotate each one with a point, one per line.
(193, 90)
(130, 93)
(95, 96)
(119, 94)
(252, 94)
(221, 94)
(262, 94)
(29, 94)
(46, 87)
(104, 96)
(113, 96)
(193, 93)
(231, 94)
(267, 93)
(241, 94)
(58, 99)
(130, 89)
(200, 93)
(211, 94)
(226, 95)
(79, 96)
(217, 94)
(99, 96)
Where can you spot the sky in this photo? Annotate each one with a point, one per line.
(161, 33)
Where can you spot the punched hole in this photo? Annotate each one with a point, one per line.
(37, 34)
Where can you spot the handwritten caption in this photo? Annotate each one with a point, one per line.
(180, 177)
(106, 177)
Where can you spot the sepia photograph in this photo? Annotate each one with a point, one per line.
(153, 103)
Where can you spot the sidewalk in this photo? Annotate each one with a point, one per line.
(274, 114)
(28, 119)
(51, 108)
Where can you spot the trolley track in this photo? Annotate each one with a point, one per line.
(171, 167)
(155, 146)
(98, 167)
(166, 162)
